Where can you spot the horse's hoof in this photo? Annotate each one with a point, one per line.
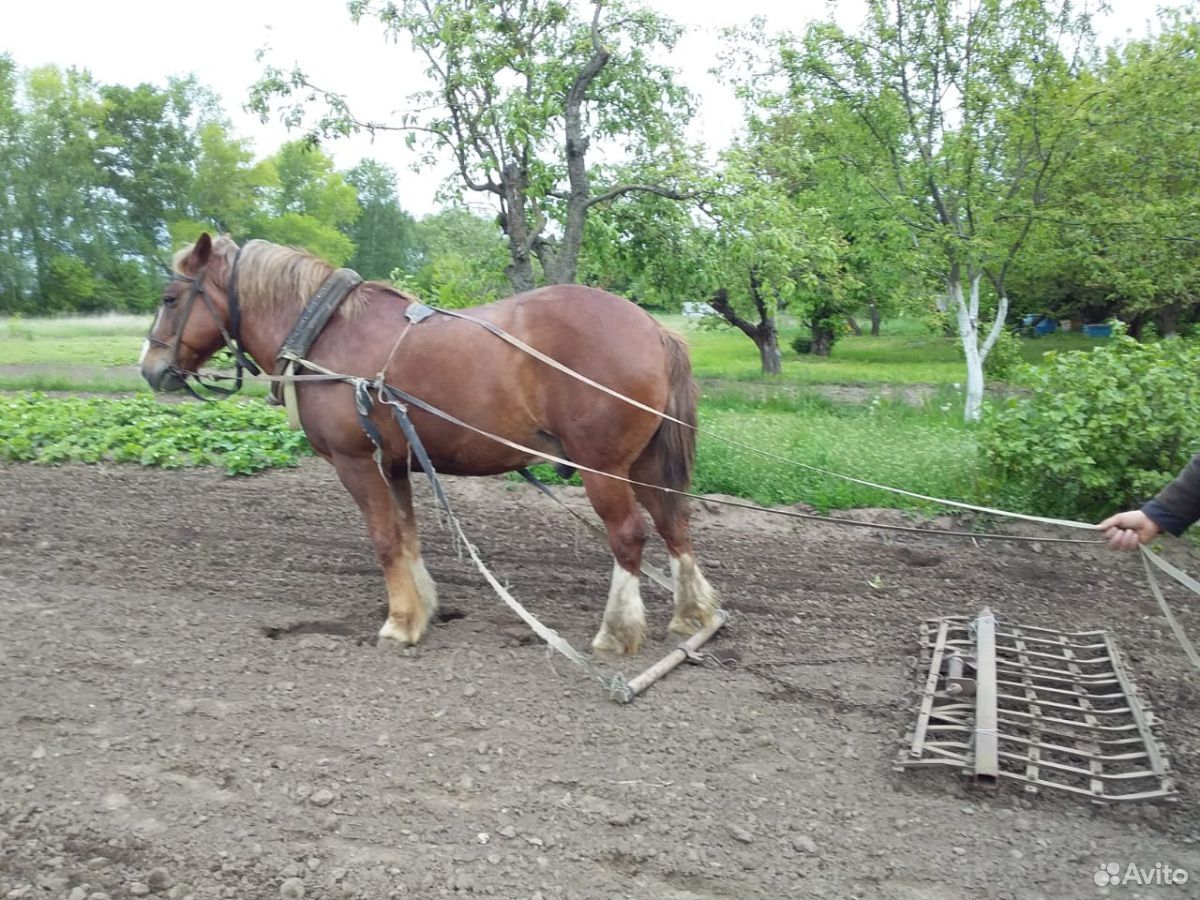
(625, 641)
(392, 635)
(691, 622)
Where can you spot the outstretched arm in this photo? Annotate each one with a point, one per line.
(1175, 508)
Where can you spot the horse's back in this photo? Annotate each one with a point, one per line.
(584, 324)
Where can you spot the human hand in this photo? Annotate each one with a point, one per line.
(1127, 530)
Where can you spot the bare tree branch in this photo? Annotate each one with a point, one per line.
(614, 192)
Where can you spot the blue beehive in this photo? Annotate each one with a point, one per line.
(1046, 326)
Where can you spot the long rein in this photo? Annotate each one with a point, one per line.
(399, 398)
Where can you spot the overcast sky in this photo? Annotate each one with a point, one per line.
(134, 41)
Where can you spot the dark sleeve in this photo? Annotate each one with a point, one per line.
(1178, 504)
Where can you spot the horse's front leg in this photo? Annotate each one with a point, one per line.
(386, 505)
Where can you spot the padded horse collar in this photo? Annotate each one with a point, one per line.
(312, 321)
(317, 313)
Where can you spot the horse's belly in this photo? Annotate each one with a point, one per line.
(484, 458)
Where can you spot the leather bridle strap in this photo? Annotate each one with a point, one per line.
(232, 337)
(172, 346)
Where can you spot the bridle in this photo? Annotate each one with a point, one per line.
(192, 381)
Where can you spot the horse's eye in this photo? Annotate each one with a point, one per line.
(169, 300)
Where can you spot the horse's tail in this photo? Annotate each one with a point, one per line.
(672, 450)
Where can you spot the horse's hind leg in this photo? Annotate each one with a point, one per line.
(387, 507)
(695, 599)
(624, 625)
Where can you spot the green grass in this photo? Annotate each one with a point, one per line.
(87, 380)
(904, 353)
(925, 448)
(82, 350)
(113, 340)
(73, 379)
(80, 326)
(898, 356)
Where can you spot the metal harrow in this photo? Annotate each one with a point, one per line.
(1047, 709)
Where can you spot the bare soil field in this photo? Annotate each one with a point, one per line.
(192, 705)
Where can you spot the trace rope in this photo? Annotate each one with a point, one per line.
(399, 399)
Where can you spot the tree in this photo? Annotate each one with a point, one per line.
(227, 189)
(14, 271)
(521, 89)
(770, 250)
(1119, 238)
(61, 208)
(146, 153)
(885, 269)
(308, 204)
(461, 260)
(98, 183)
(947, 114)
(384, 235)
(645, 247)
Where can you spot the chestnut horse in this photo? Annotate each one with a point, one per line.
(459, 367)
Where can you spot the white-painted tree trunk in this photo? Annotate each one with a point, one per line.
(966, 309)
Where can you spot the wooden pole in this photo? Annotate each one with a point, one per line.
(674, 658)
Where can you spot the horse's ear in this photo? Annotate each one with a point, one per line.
(200, 253)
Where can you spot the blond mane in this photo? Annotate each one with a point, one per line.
(272, 277)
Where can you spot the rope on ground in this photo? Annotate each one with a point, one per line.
(615, 685)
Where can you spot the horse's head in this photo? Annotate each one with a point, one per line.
(185, 334)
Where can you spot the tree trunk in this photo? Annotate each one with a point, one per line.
(1135, 326)
(520, 238)
(566, 261)
(972, 407)
(768, 348)
(966, 309)
(520, 274)
(875, 320)
(854, 329)
(1168, 320)
(822, 339)
(764, 334)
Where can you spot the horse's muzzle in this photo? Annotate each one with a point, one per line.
(162, 377)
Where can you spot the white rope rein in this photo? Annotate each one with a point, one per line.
(1148, 556)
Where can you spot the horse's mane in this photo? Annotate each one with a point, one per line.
(274, 277)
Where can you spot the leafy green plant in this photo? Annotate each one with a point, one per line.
(1098, 430)
(241, 438)
(937, 323)
(802, 344)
